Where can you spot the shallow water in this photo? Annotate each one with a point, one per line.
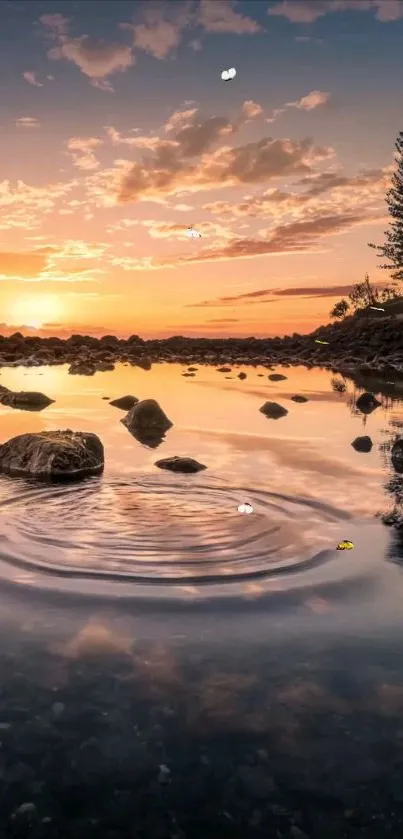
(243, 652)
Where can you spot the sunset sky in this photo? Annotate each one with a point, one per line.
(118, 134)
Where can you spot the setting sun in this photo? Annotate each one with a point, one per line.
(35, 311)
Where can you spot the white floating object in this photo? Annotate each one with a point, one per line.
(192, 233)
(227, 75)
(245, 508)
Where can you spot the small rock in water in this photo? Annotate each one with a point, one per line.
(57, 709)
(296, 833)
(30, 400)
(242, 376)
(367, 403)
(124, 402)
(180, 464)
(164, 774)
(298, 398)
(276, 377)
(362, 444)
(224, 369)
(147, 416)
(397, 455)
(273, 410)
(26, 809)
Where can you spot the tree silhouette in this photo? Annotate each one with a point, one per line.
(340, 309)
(392, 250)
(363, 294)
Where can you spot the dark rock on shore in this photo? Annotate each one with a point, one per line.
(124, 402)
(24, 399)
(276, 377)
(367, 403)
(273, 410)
(242, 376)
(362, 444)
(298, 398)
(180, 464)
(367, 338)
(81, 368)
(144, 362)
(397, 455)
(147, 422)
(52, 454)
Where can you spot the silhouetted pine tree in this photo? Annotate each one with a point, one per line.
(392, 250)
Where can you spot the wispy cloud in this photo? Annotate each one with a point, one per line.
(163, 25)
(308, 11)
(95, 58)
(82, 150)
(268, 295)
(27, 122)
(30, 77)
(314, 99)
(221, 16)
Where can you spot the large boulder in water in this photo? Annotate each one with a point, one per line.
(24, 399)
(366, 403)
(52, 454)
(147, 421)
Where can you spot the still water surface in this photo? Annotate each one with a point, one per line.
(146, 622)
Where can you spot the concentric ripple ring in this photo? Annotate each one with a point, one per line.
(159, 530)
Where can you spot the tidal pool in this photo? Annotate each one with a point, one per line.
(172, 668)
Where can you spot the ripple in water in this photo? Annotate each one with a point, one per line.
(152, 531)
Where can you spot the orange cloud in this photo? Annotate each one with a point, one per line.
(220, 16)
(363, 193)
(96, 59)
(162, 29)
(24, 206)
(251, 109)
(82, 151)
(312, 100)
(268, 295)
(308, 11)
(170, 172)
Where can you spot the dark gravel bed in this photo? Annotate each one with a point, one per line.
(158, 744)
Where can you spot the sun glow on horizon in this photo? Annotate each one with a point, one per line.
(35, 311)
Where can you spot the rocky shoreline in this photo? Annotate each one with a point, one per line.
(368, 343)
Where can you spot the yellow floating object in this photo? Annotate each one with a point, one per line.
(345, 545)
